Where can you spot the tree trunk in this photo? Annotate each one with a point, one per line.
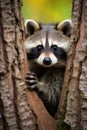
(15, 105)
(15, 112)
(73, 103)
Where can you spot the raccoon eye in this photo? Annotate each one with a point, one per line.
(39, 47)
(54, 47)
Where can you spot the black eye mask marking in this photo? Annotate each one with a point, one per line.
(35, 52)
(59, 52)
(39, 48)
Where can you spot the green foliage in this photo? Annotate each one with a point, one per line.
(47, 10)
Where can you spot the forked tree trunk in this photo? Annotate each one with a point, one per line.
(21, 112)
(73, 108)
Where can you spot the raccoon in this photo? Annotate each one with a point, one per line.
(47, 47)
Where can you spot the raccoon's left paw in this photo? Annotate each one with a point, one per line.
(31, 80)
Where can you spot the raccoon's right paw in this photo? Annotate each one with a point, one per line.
(31, 80)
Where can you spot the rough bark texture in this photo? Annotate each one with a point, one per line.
(15, 112)
(18, 110)
(73, 108)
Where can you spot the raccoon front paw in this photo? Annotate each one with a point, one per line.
(31, 80)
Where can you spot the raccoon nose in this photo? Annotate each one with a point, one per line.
(47, 61)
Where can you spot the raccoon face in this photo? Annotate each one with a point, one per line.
(47, 44)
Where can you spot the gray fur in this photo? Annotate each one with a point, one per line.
(47, 80)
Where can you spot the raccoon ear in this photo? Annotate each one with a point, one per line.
(65, 26)
(31, 26)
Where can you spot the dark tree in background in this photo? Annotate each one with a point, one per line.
(22, 110)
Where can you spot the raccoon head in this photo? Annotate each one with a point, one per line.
(47, 44)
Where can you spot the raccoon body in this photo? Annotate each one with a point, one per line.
(47, 47)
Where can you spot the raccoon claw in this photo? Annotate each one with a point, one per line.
(31, 80)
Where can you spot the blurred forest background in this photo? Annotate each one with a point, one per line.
(47, 10)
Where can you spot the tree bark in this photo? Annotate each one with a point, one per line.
(14, 107)
(73, 103)
(18, 110)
